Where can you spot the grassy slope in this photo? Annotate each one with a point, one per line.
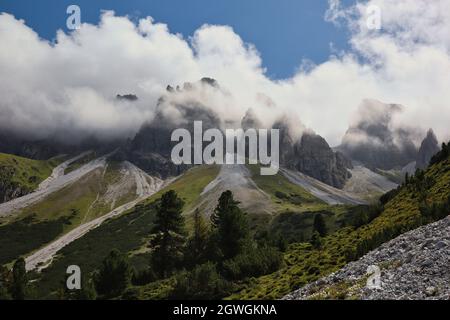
(25, 173)
(190, 185)
(305, 264)
(286, 195)
(295, 207)
(128, 233)
(57, 214)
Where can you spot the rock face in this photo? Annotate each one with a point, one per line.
(8, 189)
(44, 149)
(40, 149)
(428, 148)
(373, 140)
(127, 97)
(10, 192)
(151, 148)
(315, 158)
(311, 155)
(414, 265)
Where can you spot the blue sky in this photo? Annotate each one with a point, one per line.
(284, 31)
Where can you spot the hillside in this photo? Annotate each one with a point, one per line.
(72, 200)
(79, 216)
(404, 209)
(20, 176)
(413, 266)
(128, 232)
(292, 211)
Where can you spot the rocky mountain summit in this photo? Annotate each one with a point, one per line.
(151, 147)
(374, 140)
(428, 148)
(311, 155)
(415, 265)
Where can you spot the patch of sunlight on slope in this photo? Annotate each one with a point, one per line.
(305, 264)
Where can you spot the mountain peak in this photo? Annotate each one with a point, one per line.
(428, 148)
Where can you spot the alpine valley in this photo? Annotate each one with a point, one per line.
(141, 227)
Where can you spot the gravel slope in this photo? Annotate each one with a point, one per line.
(145, 187)
(415, 265)
(237, 178)
(364, 182)
(52, 184)
(321, 190)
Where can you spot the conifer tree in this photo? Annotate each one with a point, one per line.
(230, 225)
(169, 235)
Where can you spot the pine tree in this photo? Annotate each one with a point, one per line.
(87, 291)
(319, 225)
(169, 234)
(230, 225)
(5, 278)
(19, 280)
(114, 275)
(197, 245)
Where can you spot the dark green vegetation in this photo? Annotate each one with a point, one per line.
(14, 283)
(422, 199)
(113, 276)
(168, 239)
(295, 210)
(224, 257)
(61, 211)
(25, 235)
(128, 233)
(441, 155)
(20, 176)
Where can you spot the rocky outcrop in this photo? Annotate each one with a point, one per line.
(315, 158)
(33, 149)
(127, 97)
(151, 148)
(311, 155)
(428, 148)
(374, 141)
(9, 189)
(414, 265)
(10, 192)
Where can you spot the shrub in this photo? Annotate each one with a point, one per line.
(143, 277)
(114, 275)
(281, 195)
(252, 263)
(203, 282)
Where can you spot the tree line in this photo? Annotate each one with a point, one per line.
(205, 264)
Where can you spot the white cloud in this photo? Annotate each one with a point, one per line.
(71, 84)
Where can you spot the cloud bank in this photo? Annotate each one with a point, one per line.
(69, 86)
